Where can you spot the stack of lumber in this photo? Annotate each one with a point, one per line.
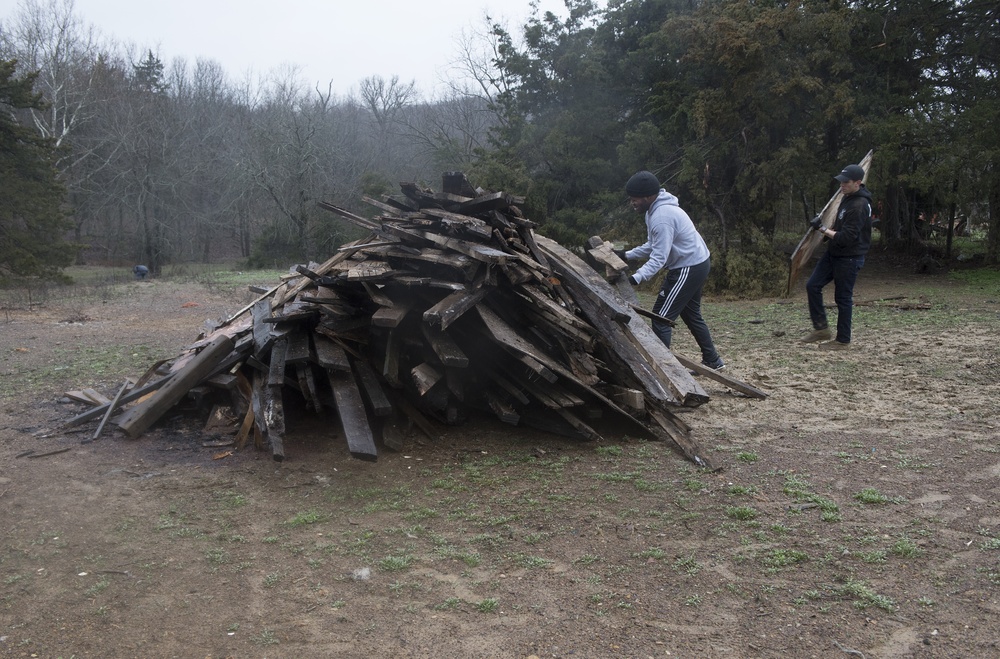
(451, 305)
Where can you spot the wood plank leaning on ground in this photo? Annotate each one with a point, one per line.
(139, 418)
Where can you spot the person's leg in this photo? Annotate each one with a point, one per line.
(691, 314)
(821, 276)
(845, 274)
(680, 295)
(666, 305)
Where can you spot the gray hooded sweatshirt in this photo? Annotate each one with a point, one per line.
(672, 241)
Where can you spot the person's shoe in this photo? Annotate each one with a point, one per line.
(834, 345)
(716, 366)
(818, 335)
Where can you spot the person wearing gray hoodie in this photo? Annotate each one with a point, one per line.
(672, 242)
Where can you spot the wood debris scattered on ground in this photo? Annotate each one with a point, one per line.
(451, 304)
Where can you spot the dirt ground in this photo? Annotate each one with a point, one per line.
(856, 513)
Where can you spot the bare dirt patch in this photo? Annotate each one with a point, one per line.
(856, 512)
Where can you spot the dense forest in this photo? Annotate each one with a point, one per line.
(745, 109)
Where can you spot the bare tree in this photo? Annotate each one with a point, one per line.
(452, 130)
(474, 72)
(46, 36)
(385, 99)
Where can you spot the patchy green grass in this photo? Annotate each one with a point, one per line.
(871, 496)
(306, 518)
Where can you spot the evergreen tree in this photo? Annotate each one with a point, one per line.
(32, 223)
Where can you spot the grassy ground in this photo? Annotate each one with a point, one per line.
(856, 511)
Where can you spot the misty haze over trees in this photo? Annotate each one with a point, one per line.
(745, 110)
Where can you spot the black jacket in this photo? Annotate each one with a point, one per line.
(853, 225)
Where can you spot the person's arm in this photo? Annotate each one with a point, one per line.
(661, 235)
(848, 230)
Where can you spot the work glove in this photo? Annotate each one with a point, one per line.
(632, 280)
(620, 253)
(816, 223)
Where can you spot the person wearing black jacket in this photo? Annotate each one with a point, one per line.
(848, 241)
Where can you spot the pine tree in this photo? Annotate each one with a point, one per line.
(32, 222)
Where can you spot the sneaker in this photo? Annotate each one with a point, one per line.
(834, 345)
(818, 335)
(717, 366)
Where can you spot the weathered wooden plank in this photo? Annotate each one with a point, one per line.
(585, 430)
(574, 325)
(374, 395)
(307, 385)
(370, 270)
(390, 361)
(477, 251)
(537, 366)
(263, 332)
(470, 225)
(354, 421)
(362, 222)
(299, 349)
(276, 372)
(722, 377)
(225, 381)
(680, 433)
(541, 394)
(394, 430)
(508, 385)
(501, 408)
(516, 344)
(137, 420)
(96, 397)
(385, 208)
(391, 316)
(451, 308)
(631, 399)
(647, 313)
(428, 282)
(274, 418)
(111, 408)
(445, 347)
(378, 295)
(653, 365)
(664, 363)
(281, 296)
(432, 255)
(495, 201)
(516, 273)
(269, 418)
(415, 415)
(457, 183)
(133, 395)
(296, 311)
(425, 377)
(505, 335)
(88, 396)
(603, 253)
(455, 379)
(330, 355)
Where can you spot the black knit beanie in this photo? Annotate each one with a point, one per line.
(642, 184)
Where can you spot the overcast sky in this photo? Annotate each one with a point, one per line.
(339, 40)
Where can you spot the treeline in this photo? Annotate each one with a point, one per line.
(743, 109)
(747, 108)
(177, 162)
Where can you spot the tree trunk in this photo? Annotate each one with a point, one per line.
(993, 229)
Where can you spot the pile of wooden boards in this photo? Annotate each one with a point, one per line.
(451, 305)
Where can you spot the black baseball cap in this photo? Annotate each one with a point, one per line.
(850, 173)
